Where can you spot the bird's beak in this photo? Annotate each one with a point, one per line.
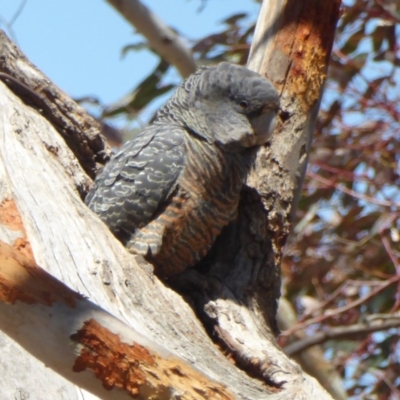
(264, 125)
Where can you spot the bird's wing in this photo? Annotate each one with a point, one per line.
(131, 187)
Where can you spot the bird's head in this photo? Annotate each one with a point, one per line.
(228, 105)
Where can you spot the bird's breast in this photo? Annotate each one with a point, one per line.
(204, 201)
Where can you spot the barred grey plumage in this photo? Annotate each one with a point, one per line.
(168, 193)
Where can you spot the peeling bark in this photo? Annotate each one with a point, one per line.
(292, 46)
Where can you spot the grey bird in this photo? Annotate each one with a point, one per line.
(170, 190)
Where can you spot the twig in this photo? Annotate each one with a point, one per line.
(328, 300)
(373, 324)
(343, 309)
(17, 13)
(396, 264)
(352, 193)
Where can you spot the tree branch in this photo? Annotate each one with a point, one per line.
(236, 297)
(42, 217)
(161, 38)
(79, 130)
(238, 301)
(375, 323)
(87, 345)
(312, 360)
(340, 310)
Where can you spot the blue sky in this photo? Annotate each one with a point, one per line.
(77, 44)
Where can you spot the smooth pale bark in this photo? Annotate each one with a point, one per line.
(42, 215)
(161, 38)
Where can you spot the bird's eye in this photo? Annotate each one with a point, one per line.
(243, 104)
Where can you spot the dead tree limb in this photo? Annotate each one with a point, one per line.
(84, 343)
(79, 130)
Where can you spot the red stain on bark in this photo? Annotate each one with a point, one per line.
(305, 38)
(22, 280)
(134, 369)
(11, 218)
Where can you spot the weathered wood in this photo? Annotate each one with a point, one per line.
(87, 345)
(292, 45)
(79, 130)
